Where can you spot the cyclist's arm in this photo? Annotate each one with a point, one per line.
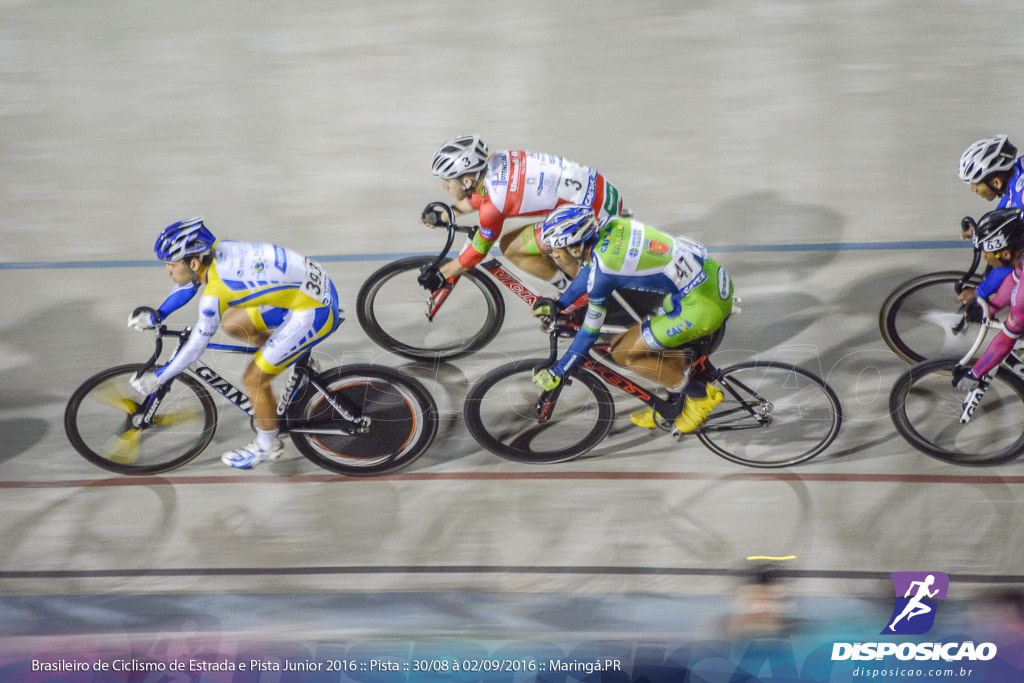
(576, 288)
(209, 321)
(992, 281)
(491, 221)
(1000, 347)
(598, 294)
(176, 299)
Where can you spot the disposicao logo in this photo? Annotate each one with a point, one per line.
(916, 596)
(914, 614)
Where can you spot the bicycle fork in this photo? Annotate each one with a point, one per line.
(974, 399)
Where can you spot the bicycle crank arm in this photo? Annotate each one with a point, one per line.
(363, 422)
(338, 431)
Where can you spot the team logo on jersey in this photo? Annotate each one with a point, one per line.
(723, 284)
(657, 247)
(1020, 183)
(259, 266)
(916, 593)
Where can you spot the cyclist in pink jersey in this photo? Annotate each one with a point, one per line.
(1000, 235)
(509, 184)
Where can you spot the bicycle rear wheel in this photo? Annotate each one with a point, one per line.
(99, 423)
(392, 308)
(402, 412)
(925, 409)
(773, 415)
(500, 411)
(917, 319)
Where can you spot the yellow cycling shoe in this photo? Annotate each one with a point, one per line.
(643, 418)
(696, 410)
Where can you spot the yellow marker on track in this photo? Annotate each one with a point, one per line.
(769, 557)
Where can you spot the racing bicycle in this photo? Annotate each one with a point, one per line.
(357, 419)
(983, 427)
(465, 314)
(773, 414)
(920, 318)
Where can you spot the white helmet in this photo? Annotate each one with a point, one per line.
(465, 154)
(985, 157)
(567, 225)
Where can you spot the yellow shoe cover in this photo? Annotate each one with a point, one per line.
(643, 418)
(696, 410)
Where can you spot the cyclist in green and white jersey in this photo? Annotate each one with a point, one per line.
(626, 254)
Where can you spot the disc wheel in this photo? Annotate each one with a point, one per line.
(403, 420)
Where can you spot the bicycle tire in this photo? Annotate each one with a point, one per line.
(122, 451)
(392, 292)
(404, 420)
(805, 415)
(995, 433)
(913, 314)
(500, 413)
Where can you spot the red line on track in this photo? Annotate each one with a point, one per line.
(525, 476)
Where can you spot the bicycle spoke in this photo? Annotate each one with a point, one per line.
(784, 415)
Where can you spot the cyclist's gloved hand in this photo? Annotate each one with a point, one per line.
(145, 384)
(143, 320)
(432, 217)
(965, 379)
(974, 313)
(547, 379)
(967, 226)
(546, 309)
(431, 279)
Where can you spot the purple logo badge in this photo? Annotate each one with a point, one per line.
(916, 596)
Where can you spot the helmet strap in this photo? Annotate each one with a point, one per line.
(999, 189)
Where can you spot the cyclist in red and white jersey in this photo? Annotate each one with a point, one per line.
(508, 184)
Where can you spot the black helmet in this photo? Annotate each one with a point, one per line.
(1000, 229)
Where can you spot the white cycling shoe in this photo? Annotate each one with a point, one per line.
(250, 455)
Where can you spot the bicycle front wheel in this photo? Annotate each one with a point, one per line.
(403, 420)
(396, 312)
(925, 408)
(918, 318)
(101, 416)
(501, 413)
(773, 415)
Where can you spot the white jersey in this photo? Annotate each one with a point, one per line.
(519, 183)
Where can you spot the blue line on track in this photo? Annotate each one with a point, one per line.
(756, 248)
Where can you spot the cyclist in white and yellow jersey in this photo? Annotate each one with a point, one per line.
(264, 294)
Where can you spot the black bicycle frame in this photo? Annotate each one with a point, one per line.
(666, 409)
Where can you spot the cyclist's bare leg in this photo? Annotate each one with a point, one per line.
(667, 368)
(237, 323)
(264, 405)
(538, 265)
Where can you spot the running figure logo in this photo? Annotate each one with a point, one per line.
(914, 612)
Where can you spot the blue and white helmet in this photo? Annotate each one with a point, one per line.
(462, 155)
(567, 225)
(183, 239)
(985, 157)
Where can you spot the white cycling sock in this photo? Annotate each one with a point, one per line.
(266, 438)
